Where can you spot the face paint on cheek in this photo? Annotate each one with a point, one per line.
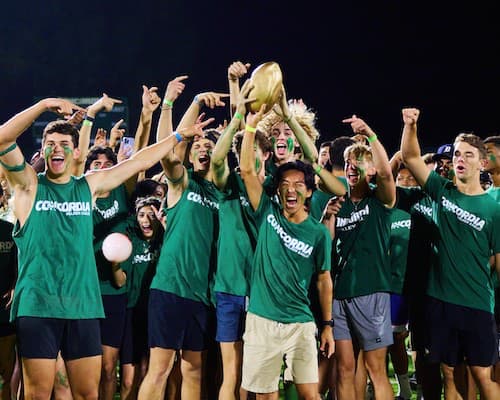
(492, 158)
(209, 152)
(67, 150)
(289, 144)
(273, 142)
(48, 152)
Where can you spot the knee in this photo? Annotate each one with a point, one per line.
(345, 370)
(448, 373)
(127, 382)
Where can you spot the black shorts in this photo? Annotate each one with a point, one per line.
(458, 333)
(113, 325)
(178, 323)
(45, 337)
(135, 337)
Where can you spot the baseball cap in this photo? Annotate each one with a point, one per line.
(444, 151)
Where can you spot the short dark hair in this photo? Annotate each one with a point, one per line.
(298, 165)
(325, 144)
(62, 127)
(495, 140)
(474, 141)
(337, 147)
(94, 153)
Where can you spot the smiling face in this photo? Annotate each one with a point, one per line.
(200, 154)
(405, 178)
(59, 152)
(283, 141)
(293, 192)
(357, 169)
(147, 221)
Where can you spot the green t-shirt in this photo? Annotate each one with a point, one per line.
(8, 266)
(140, 267)
(237, 239)
(286, 257)
(57, 272)
(109, 215)
(400, 235)
(468, 232)
(319, 200)
(494, 191)
(188, 255)
(362, 234)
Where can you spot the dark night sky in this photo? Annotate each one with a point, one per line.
(367, 58)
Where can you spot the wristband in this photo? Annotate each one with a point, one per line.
(238, 115)
(327, 323)
(249, 128)
(8, 149)
(87, 122)
(372, 138)
(197, 101)
(88, 118)
(318, 169)
(169, 103)
(178, 136)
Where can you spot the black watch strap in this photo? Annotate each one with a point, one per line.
(327, 323)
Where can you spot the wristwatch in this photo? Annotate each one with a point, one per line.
(327, 323)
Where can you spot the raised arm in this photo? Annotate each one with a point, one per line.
(247, 159)
(410, 148)
(309, 149)
(150, 102)
(235, 71)
(220, 167)
(102, 181)
(172, 165)
(105, 103)
(386, 188)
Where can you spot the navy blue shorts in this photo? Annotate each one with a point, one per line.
(399, 309)
(231, 313)
(135, 338)
(113, 325)
(44, 337)
(457, 333)
(178, 323)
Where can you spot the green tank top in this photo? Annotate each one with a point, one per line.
(8, 266)
(237, 239)
(188, 255)
(57, 273)
(362, 243)
(109, 215)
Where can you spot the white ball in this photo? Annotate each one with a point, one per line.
(116, 247)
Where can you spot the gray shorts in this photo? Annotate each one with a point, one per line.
(365, 319)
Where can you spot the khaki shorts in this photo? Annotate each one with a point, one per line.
(267, 342)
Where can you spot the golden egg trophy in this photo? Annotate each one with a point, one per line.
(267, 80)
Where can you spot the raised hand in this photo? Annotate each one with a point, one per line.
(359, 126)
(76, 118)
(254, 118)
(100, 138)
(61, 106)
(211, 99)
(410, 115)
(116, 134)
(150, 99)
(195, 130)
(237, 70)
(175, 88)
(105, 103)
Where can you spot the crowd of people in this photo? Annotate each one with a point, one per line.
(260, 255)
